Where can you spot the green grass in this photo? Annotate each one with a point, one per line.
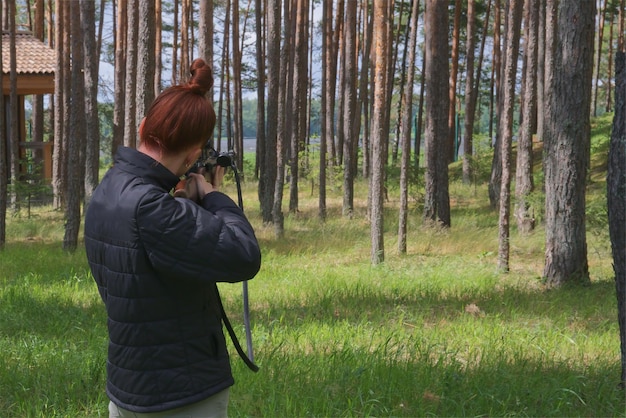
(435, 332)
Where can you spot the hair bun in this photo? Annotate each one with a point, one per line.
(201, 79)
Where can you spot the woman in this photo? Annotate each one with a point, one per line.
(157, 258)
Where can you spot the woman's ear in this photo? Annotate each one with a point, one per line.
(141, 126)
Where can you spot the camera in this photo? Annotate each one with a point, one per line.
(222, 159)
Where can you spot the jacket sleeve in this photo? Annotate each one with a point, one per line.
(209, 242)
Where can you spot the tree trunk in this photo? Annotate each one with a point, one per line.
(454, 61)
(541, 68)
(300, 82)
(146, 60)
(616, 194)
(14, 129)
(602, 13)
(184, 42)
(496, 169)
(379, 135)
(174, 76)
(567, 141)
(470, 98)
(437, 106)
(119, 94)
(92, 137)
(237, 89)
(60, 91)
(37, 116)
(609, 85)
(524, 213)
(350, 115)
(364, 103)
(325, 113)
(405, 133)
(130, 121)
(260, 74)
(267, 178)
(3, 161)
(158, 47)
(514, 23)
(75, 141)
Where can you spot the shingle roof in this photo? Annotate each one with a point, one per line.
(33, 56)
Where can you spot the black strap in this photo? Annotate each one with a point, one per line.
(233, 336)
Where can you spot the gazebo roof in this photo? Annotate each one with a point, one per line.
(35, 63)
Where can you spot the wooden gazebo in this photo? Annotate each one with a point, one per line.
(35, 64)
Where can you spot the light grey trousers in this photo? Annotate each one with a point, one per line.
(214, 407)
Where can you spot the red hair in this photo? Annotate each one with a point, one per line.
(181, 117)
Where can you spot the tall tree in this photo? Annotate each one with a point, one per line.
(300, 83)
(285, 123)
(405, 132)
(514, 22)
(60, 104)
(268, 172)
(496, 110)
(524, 213)
(602, 14)
(567, 140)
(325, 111)
(75, 141)
(470, 94)
(260, 74)
(3, 161)
(616, 194)
(37, 116)
(119, 89)
(130, 121)
(350, 114)
(158, 46)
(14, 130)
(237, 89)
(437, 201)
(454, 69)
(145, 57)
(92, 59)
(380, 136)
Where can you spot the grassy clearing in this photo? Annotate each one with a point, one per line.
(436, 332)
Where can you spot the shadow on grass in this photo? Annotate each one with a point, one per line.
(349, 382)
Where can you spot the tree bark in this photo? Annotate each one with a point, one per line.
(470, 97)
(379, 135)
(146, 60)
(119, 94)
(58, 153)
(75, 141)
(267, 178)
(567, 141)
(524, 213)
(261, 78)
(514, 22)
(130, 121)
(350, 115)
(3, 161)
(454, 61)
(616, 194)
(92, 137)
(405, 132)
(437, 106)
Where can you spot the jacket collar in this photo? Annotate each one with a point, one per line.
(144, 166)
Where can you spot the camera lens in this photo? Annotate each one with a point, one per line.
(224, 160)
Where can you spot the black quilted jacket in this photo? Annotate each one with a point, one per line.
(156, 260)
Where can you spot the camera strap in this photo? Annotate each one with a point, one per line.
(249, 362)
